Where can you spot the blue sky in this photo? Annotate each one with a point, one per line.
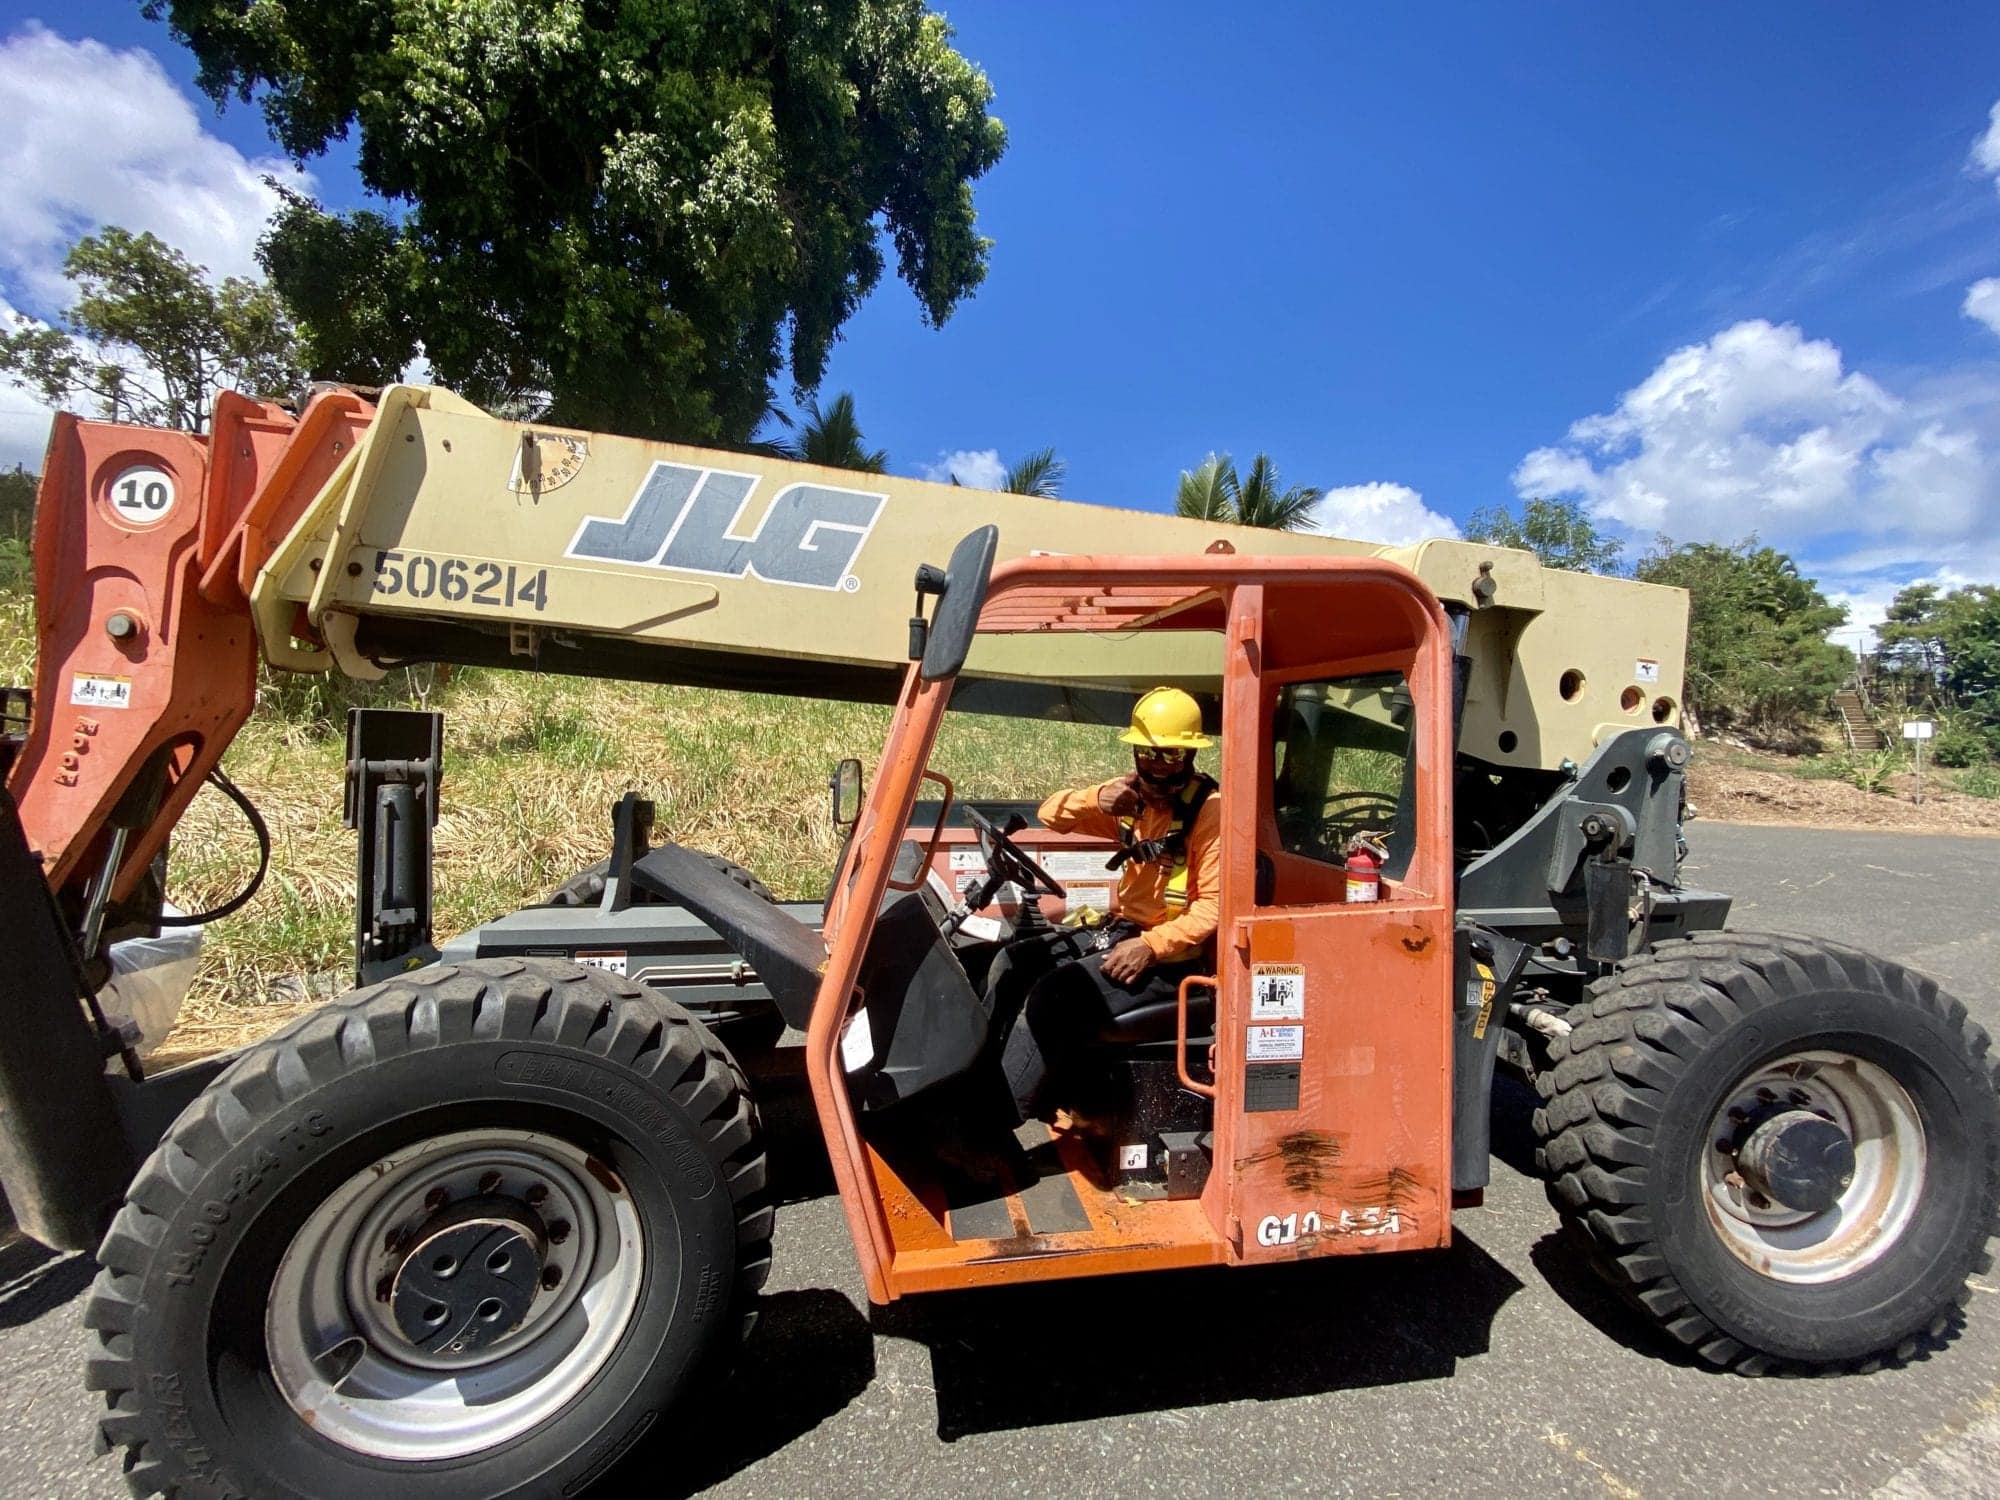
(1407, 250)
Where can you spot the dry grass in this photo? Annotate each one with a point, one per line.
(533, 766)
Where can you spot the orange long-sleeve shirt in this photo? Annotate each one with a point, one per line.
(1172, 932)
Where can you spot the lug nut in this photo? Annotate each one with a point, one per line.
(384, 1289)
(558, 1231)
(1726, 1146)
(537, 1195)
(490, 1183)
(1765, 1096)
(436, 1199)
(551, 1277)
(1796, 1096)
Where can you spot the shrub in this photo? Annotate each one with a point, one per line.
(1962, 741)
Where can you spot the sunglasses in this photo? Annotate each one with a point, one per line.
(1163, 757)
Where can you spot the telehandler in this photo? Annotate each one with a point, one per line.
(479, 1226)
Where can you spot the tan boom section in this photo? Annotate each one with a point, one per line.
(759, 567)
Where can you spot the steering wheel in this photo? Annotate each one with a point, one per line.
(1006, 861)
(1347, 813)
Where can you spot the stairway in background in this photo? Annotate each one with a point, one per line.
(1854, 722)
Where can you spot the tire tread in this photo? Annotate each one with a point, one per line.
(1601, 1100)
(490, 999)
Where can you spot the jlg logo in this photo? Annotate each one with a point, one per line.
(683, 518)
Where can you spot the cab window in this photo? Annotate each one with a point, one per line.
(1342, 767)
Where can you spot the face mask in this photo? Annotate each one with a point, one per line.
(1155, 774)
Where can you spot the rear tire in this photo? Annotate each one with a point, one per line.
(1678, 1058)
(234, 1335)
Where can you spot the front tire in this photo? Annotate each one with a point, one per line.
(263, 1323)
(1785, 1153)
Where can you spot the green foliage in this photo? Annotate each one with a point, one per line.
(1758, 658)
(350, 283)
(1559, 532)
(1870, 772)
(1961, 740)
(1981, 781)
(1213, 491)
(640, 210)
(150, 339)
(1942, 651)
(17, 503)
(832, 436)
(1040, 473)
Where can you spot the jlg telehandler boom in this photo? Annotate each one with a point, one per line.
(471, 1230)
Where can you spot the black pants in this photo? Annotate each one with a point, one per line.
(1067, 1008)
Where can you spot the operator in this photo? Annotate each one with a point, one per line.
(1124, 985)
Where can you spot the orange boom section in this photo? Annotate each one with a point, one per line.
(145, 545)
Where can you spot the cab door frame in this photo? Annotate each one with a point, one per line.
(1333, 1097)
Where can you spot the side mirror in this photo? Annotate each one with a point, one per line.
(963, 592)
(845, 785)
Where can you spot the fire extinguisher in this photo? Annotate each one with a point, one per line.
(1365, 856)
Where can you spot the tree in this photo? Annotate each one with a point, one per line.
(643, 210)
(350, 285)
(1943, 651)
(831, 436)
(17, 502)
(1040, 474)
(1559, 532)
(1758, 657)
(1212, 491)
(151, 339)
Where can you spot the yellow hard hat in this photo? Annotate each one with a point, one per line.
(1167, 719)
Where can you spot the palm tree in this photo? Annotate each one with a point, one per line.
(1208, 493)
(1040, 473)
(1264, 500)
(1214, 492)
(831, 436)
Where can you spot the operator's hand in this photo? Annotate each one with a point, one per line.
(1127, 961)
(1121, 798)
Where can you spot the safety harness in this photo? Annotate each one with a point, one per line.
(1169, 848)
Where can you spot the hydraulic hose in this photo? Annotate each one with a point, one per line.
(235, 794)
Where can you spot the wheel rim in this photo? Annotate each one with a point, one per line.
(1872, 1210)
(339, 1325)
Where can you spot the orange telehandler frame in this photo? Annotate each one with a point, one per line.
(1787, 1153)
(1363, 1162)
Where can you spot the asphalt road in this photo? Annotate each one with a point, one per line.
(1498, 1366)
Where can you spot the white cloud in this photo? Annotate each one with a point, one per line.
(1982, 302)
(96, 137)
(24, 430)
(24, 421)
(1391, 514)
(976, 468)
(1986, 150)
(1763, 430)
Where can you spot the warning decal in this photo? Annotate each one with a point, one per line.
(612, 959)
(1277, 992)
(101, 692)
